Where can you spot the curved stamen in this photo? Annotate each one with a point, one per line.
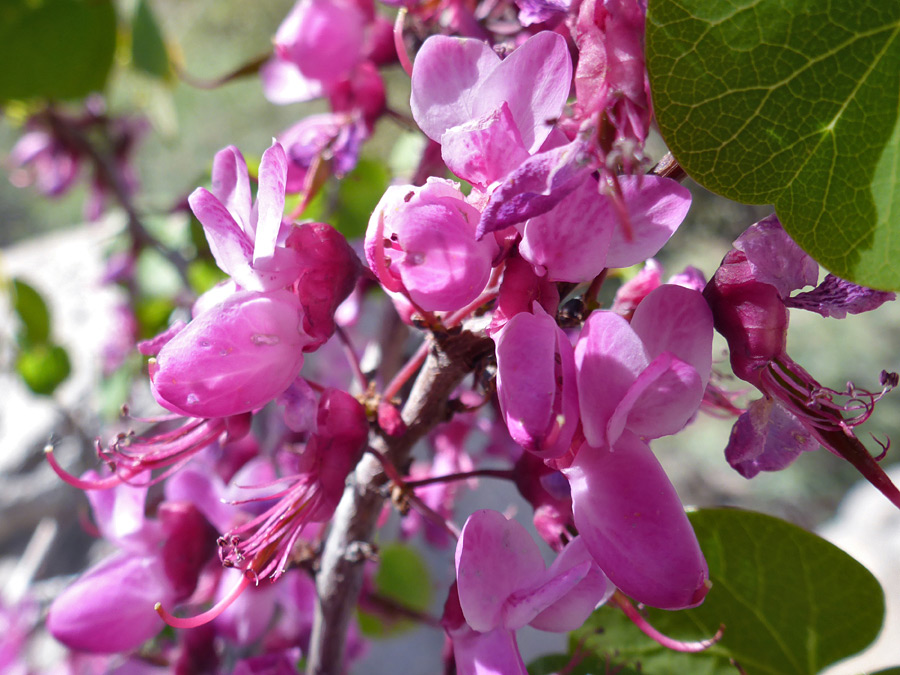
(80, 483)
(641, 622)
(208, 615)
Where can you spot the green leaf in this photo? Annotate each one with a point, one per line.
(358, 195)
(888, 671)
(33, 313)
(790, 602)
(153, 316)
(403, 579)
(148, 48)
(43, 367)
(55, 49)
(794, 103)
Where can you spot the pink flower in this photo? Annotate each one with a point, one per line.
(422, 240)
(233, 358)
(247, 240)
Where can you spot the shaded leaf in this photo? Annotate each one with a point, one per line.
(402, 579)
(55, 49)
(32, 312)
(148, 47)
(794, 103)
(358, 195)
(43, 367)
(790, 601)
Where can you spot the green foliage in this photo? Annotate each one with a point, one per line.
(41, 364)
(790, 602)
(402, 578)
(358, 194)
(55, 49)
(43, 367)
(32, 312)
(148, 47)
(794, 103)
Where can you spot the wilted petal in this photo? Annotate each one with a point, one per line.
(656, 207)
(635, 526)
(836, 298)
(494, 558)
(775, 258)
(767, 437)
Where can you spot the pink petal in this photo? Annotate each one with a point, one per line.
(494, 558)
(231, 184)
(609, 356)
(573, 609)
(270, 203)
(445, 75)
(234, 358)
(676, 319)
(635, 526)
(229, 244)
(571, 240)
(534, 80)
(284, 83)
(485, 149)
(775, 258)
(110, 608)
(523, 606)
(660, 402)
(656, 207)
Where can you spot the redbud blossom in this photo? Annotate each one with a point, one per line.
(233, 358)
(422, 239)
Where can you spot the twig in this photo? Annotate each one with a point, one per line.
(340, 577)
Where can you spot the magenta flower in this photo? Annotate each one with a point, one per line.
(422, 240)
(749, 297)
(503, 584)
(536, 383)
(233, 358)
(333, 137)
(247, 240)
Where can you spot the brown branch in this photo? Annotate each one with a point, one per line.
(340, 577)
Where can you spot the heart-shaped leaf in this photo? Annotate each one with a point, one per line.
(795, 103)
(790, 602)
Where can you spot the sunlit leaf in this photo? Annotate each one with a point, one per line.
(793, 103)
(790, 602)
(43, 367)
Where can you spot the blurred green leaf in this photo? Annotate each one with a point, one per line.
(55, 49)
(33, 313)
(403, 578)
(148, 47)
(888, 671)
(153, 316)
(203, 275)
(358, 194)
(790, 601)
(43, 367)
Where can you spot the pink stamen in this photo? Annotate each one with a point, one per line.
(208, 615)
(399, 43)
(80, 483)
(641, 622)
